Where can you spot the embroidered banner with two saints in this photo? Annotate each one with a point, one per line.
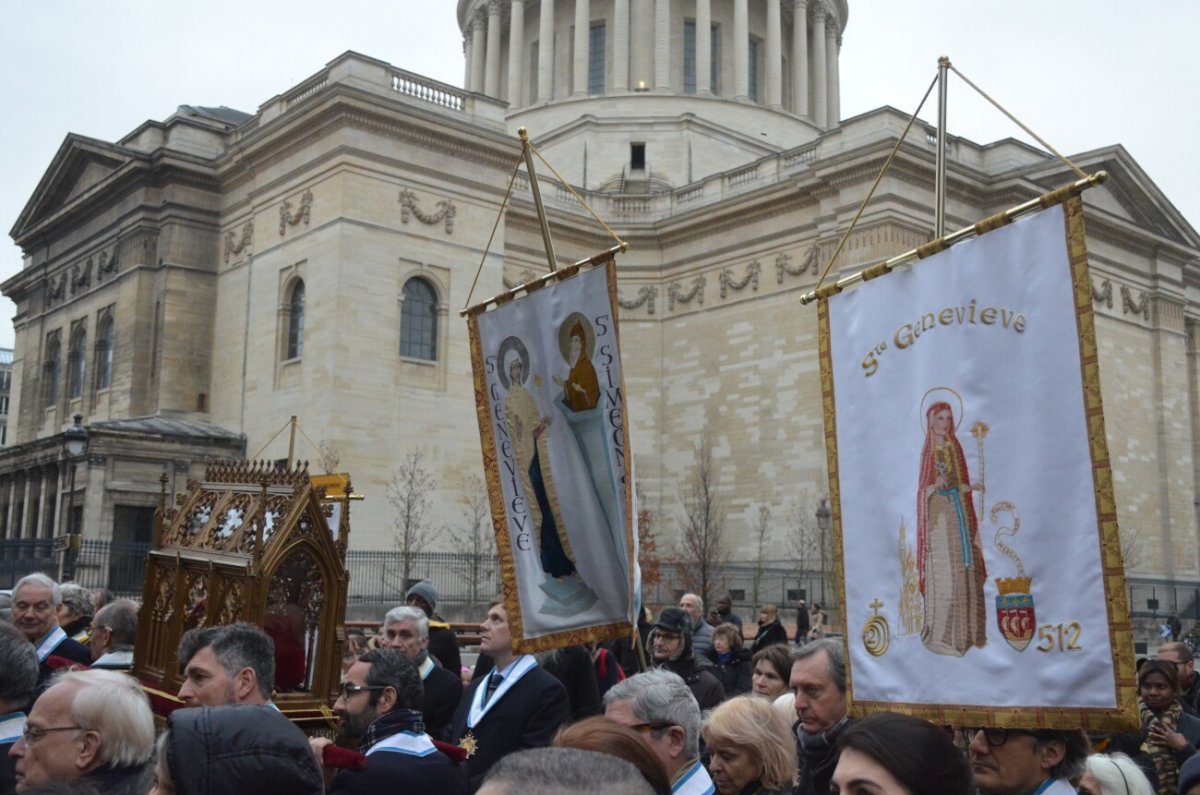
(982, 574)
(551, 404)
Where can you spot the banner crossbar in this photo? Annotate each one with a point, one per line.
(1054, 197)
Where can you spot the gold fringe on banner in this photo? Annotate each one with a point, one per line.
(1057, 196)
(562, 273)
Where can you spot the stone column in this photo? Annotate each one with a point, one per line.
(45, 507)
(583, 21)
(546, 51)
(478, 36)
(641, 44)
(27, 530)
(11, 488)
(620, 64)
(820, 112)
(741, 50)
(800, 58)
(703, 47)
(492, 79)
(774, 55)
(831, 72)
(469, 52)
(516, 54)
(662, 45)
(835, 88)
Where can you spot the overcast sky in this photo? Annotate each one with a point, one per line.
(1081, 73)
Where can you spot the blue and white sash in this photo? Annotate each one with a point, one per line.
(50, 643)
(11, 726)
(425, 667)
(695, 781)
(521, 666)
(405, 742)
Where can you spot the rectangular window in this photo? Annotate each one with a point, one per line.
(596, 59)
(637, 157)
(4, 404)
(753, 87)
(689, 57)
(713, 61)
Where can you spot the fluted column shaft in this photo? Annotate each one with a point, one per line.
(27, 531)
(741, 50)
(469, 52)
(820, 113)
(800, 58)
(662, 45)
(620, 64)
(45, 505)
(832, 46)
(703, 47)
(583, 19)
(546, 51)
(479, 45)
(774, 55)
(516, 54)
(492, 77)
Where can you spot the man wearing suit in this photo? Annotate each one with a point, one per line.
(517, 706)
(35, 603)
(407, 629)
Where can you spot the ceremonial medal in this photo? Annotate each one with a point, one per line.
(469, 744)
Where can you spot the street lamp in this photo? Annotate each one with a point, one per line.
(75, 444)
(824, 522)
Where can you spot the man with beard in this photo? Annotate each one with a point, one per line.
(671, 647)
(380, 703)
(818, 681)
(230, 664)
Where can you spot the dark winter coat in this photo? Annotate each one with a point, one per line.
(736, 675)
(406, 765)
(769, 635)
(239, 750)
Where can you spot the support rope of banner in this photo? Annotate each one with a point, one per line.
(495, 226)
(871, 193)
(621, 244)
(1057, 196)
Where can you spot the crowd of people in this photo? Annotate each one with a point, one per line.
(696, 706)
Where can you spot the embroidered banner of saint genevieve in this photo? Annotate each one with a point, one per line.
(970, 484)
(551, 406)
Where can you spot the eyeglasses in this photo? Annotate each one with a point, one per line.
(348, 690)
(998, 737)
(33, 734)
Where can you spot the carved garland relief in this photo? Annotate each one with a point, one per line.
(444, 211)
(286, 218)
(1129, 305)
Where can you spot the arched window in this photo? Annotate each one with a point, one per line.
(295, 341)
(418, 321)
(50, 371)
(104, 354)
(77, 361)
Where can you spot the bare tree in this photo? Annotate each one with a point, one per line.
(648, 559)
(702, 551)
(1132, 548)
(804, 538)
(409, 495)
(474, 540)
(762, 528)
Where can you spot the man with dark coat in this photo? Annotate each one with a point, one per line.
(818, 681)
(803, 623)
(725, 614)
(443, 643)
(36, 599)
(1179, 655)
(407, 629)
(671, 649)
(19, 678)
(381, 703)
(517, 706)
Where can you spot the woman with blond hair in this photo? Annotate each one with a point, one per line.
(753, 751)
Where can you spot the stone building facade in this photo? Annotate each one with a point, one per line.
(193, 285)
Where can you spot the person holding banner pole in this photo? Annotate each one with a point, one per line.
(517, 706)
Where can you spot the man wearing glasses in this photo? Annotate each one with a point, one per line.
(35, 604)
(380, 703)
(660, 706)
(1179, 655)
(112, 635)
(1027, 761)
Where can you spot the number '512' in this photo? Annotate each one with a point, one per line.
(1064, 637)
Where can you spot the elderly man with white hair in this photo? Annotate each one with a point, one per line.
(90, 725)
(35, 602)
(407, 630)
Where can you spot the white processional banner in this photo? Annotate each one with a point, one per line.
(550, 398)
(969, 474)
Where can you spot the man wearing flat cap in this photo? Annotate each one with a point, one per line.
(671, 646)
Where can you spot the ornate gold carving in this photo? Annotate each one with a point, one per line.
(696, 293)
(750, 278)
(234, 244)
(231, 605)
(445, 211)
(286, 218)
(809, 263)
(647, 295)
(912, 618)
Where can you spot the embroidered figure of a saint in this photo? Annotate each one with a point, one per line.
(581, 389)
(949, 556)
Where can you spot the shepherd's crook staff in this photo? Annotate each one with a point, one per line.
(980, 431)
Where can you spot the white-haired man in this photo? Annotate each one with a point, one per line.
(693, 605)
(35, 602)
(91, 725)
(660, 706)
(407, 629)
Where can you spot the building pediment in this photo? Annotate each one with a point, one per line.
(80, 169)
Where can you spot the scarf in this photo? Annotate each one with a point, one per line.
(819, 747)
(725, 658)
(391, 723)
(1166, 769)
